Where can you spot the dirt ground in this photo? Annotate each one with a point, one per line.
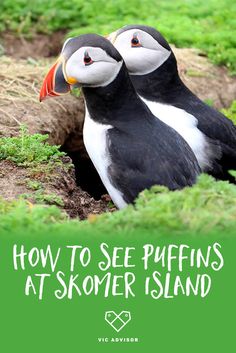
(22, 68)
(38, 47)
(59, 188)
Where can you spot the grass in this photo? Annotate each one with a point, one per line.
(21, 214)
(41, 159)
(39, 195)
(34, 185)
(231, 112)
(207, 206)
(207, 25)
(29, 150)
(20, 80)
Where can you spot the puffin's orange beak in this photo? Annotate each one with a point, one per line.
(54, 83)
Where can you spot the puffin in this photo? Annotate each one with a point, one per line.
(130, 148)
(154, 73)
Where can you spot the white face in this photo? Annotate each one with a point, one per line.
(142, 55)
(91, 66)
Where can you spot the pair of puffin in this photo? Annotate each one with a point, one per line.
(142, 125)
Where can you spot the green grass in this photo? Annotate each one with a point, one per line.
(41, 197)
(41, 159)
(34, 185)
(231, 112)
(20, 214)
(29, 150)
(206, 207)
(208, 25)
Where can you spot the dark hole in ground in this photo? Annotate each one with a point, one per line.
(87, 176)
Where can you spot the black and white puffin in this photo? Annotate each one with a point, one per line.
(129, 147)
(153, 70)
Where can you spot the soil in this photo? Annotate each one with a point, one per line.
(61, 183)
(22, 70)
(39, 46)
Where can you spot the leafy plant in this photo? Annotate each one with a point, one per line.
(29, 150)
(22, 214)
(34, 184)
(208, 206)
(231, 112)
(41, 197)
(210, 102)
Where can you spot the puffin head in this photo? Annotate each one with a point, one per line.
(88, 60)
(143, 48)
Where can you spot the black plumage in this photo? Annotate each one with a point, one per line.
(130, 149)
(165, 86)
(143, 150)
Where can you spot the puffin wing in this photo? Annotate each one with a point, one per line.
(139, 163)
(217, 127)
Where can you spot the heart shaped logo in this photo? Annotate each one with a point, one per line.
(117, 321)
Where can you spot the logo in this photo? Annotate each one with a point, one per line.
(117, 321)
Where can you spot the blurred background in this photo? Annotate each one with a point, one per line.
(207, 25)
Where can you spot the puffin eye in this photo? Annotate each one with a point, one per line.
(135, 42)
(87, 59)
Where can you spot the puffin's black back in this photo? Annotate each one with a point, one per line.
(165, 86)
(143, 150)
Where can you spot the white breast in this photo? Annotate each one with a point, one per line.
(186, 125)
(95, 141)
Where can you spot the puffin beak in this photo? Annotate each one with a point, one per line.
(112, 37)
(55, 83)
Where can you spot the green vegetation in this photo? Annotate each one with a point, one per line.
(29, 150)
(20, 214)
(208, 25)
(40, 195)
(231, 112)
(34, 185)
(194, 73)
(206, 207)
(34, 153)
(210, 102)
